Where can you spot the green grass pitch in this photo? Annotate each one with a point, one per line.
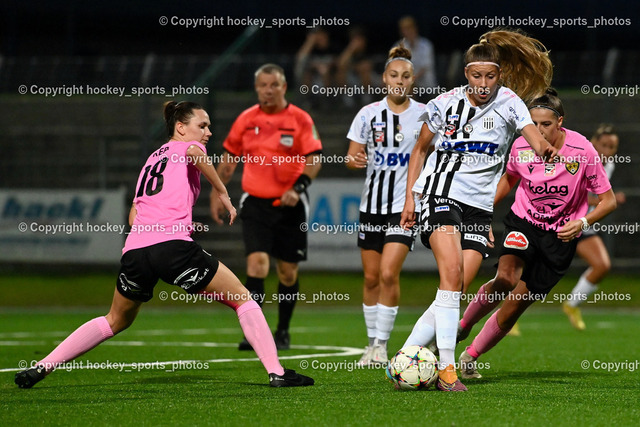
(540, 378)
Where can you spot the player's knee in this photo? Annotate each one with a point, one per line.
(257, 266)
(371, 280)
(288, 276)
(288, 279)
(389, 277)
(505, 281)
(452, 273)
(602, 267)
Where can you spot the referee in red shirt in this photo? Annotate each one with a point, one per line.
(281, 153)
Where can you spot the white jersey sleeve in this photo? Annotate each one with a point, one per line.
(360, 130)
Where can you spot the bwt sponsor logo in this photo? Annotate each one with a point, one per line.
(392, 159)
(75, 208)
(471, 147)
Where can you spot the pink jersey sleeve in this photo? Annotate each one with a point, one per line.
(166, 191)
(597, 178)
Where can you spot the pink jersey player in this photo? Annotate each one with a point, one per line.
(552, 194)
(160, 247)
(167, 188)
(539, 241)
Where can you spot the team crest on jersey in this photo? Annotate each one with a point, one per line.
(526, 156)
(487, 123)
(549, 169)
(572, 167)
(379, 136)
(286, 140)
(449, 130)
(516, 240)
(399, 137)
(468, 128)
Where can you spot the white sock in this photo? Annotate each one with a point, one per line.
(424, 331)
(384, 322)
(581, 291)
(447, 314)
(370, 316)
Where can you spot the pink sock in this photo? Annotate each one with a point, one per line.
(79, 342)
(256, 331)
(480, 306)
(489, 336)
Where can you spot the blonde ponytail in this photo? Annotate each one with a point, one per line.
(524, 61)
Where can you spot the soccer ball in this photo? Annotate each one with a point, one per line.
(412, 368)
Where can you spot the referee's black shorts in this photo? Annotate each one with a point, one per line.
(546, 257)
(178, 262)
(275, 230)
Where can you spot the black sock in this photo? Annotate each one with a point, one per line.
(255, 286)
(288, 296)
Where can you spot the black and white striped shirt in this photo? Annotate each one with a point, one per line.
(389, 138)
(470, 145)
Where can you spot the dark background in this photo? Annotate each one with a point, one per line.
(123, 27)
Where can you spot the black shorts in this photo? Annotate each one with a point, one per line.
(275, 230)
(473, 223)
(178, 262)
(546, 258)
(376, 230)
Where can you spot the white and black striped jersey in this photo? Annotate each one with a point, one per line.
(389, 138)
(470, 145)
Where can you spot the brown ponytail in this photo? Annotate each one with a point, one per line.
(524, 61)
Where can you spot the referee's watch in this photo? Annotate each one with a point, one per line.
(301, 184)
(585, 223)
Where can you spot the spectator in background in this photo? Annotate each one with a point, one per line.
(422, 54)
(353, 63)
(316, 59)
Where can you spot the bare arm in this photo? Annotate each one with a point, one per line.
(506, 183)
(201, 161)
(132, 214)
(225, 170)
(356, 156)
(416, 161)
(535, 139)
(606, 205)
